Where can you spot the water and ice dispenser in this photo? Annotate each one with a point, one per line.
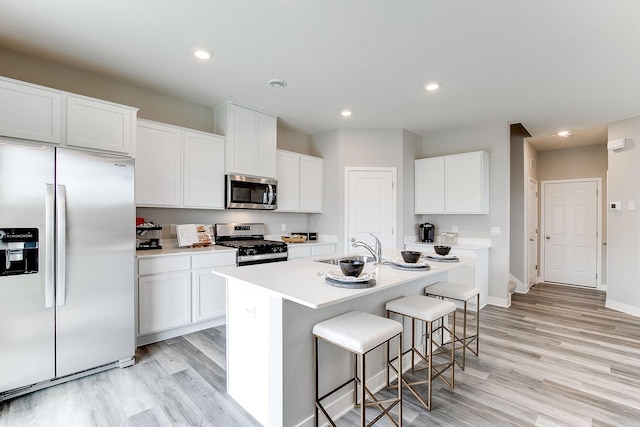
(18, 251)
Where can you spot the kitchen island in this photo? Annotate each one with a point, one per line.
(271, 310)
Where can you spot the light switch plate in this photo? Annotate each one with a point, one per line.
(631, 205)
(496, 231)
(454, 228)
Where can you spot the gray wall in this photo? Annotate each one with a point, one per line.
(344, 148)
(623, 240)
(152, 105)
(518, 193)
(575, 163)
(494, 139)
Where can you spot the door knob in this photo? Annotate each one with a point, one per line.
(531, 240)
(547, 237)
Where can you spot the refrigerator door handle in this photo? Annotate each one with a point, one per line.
(49, 288)
(61, 218)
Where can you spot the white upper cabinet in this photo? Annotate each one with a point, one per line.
(30, 112)
(203, 171)
(100, 125)
(36, 113)
(311, 184)
(250, 140)
(158, 165)
(429, 185)
(456, 184)
(178, 167)
(288, 176)
(299, 182)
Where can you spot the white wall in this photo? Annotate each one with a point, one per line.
(623, 241)
(493, 138)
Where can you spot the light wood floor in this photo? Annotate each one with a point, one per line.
(556, 357)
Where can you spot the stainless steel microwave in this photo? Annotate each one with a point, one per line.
(250, 192)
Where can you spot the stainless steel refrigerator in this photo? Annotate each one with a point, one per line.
(67, 250)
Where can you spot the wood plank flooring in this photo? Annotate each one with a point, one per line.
(556, 357)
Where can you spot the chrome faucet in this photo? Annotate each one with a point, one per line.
(376, 253)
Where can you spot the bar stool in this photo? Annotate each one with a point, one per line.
(358, 333)
(428, 310)
(463, 293)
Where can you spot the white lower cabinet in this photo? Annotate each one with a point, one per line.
(312, 249)
(179, 294)
(164, 301)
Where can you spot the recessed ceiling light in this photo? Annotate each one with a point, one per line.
(564, 134)
(202, 53)
(346, 113)
(277, 83)
(431, 86)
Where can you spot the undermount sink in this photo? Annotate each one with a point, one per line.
(336, 261)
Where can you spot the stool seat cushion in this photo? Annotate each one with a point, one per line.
(357, 331)
(459, 291)
(421, 307)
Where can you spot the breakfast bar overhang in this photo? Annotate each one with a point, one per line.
(271, 310)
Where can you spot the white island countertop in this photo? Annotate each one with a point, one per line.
(300, 280)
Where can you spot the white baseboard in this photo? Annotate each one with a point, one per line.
(521, 288)
(176, 332)
(500, 302)
(625, 308)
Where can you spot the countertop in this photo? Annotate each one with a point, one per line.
(150, 253)
(300, 280)
(459, 245)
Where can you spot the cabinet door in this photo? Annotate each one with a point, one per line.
(30, 113)
(242, 154)
(326, 249)
(294, 252)
(465, 183)
(429, 185)
(209, 295)
(164, 301)
(288, 181)
(311, 184)
(266, 143)
(158, 165)
(100, 125)
(203, 171)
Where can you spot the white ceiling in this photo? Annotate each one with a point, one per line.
(547, 64)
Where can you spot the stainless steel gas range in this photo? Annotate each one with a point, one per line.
(249, 239)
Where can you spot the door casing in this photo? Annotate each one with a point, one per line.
(598, 225)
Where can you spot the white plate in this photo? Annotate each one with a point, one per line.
(338, 276)
(436, 256)
(402, 263)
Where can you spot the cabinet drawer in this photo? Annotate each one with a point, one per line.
(214, 259)
(163, 264)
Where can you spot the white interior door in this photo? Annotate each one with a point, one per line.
(370, 200)
(532, 233)
(570, 232)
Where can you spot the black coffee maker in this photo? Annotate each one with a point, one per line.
(426, 232)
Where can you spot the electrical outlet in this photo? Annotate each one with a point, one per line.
(174, 228)
(454, 228)
(496, 231)
(284, 227)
